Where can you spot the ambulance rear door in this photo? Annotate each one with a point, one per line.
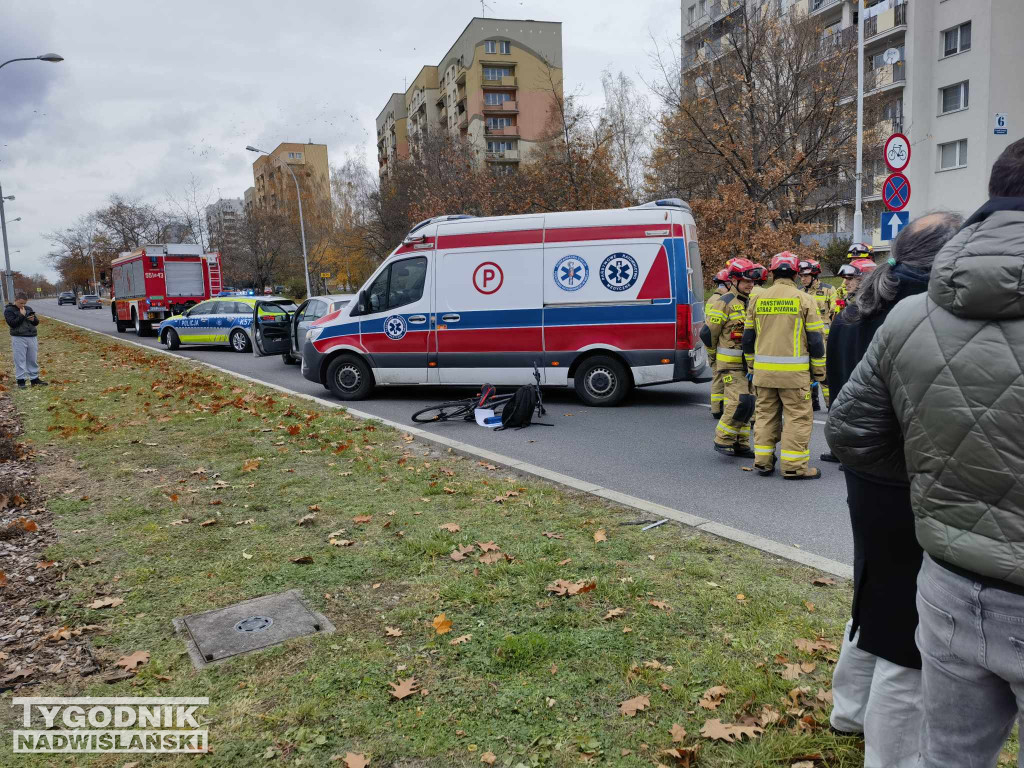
(488, 297)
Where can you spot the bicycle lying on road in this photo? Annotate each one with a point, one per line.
(486, 398)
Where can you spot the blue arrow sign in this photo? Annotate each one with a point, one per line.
(892, 222)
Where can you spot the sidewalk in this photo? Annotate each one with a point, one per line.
(574, 635)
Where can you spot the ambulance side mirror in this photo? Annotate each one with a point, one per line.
(363, 305)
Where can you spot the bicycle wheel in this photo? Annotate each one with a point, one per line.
(460, 409)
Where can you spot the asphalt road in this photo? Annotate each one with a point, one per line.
(656, 446)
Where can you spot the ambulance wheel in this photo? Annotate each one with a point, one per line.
(349, 378)
(239, 340)
(601, 381)
(171, 339)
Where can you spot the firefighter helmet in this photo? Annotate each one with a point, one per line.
(785, 262)
(760, 274)
(742, 269)
(860, 251)
(721, 277)
(810, 267)
(857, 268)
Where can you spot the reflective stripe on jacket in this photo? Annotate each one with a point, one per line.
(722, 333)
(825, 297)
(784, 337)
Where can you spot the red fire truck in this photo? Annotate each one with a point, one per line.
(157, 281)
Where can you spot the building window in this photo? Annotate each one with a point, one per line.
(496, 98)
(691, 14)
(953, 155)
(506, 47)
(496, 73)
(498, 122)
(954, 97)
(291, 155)
(500, 146)
(956, 40)
(703, 7)
(490, 46)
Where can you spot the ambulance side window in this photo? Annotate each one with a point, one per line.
(407, 279)
(378, 292)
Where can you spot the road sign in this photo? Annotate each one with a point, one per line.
(896, 192)
(897, 152)
(892, 222)
(325, 275)
(1000, 124)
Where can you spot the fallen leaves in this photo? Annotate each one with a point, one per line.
(133, 660)
(793, 671)
(716, 730)
(489, 758)
(208, 523)
(461, 551)
(450, 527)
(814, 646)
(613, 613)
(661, 605)
(824, 581)
(307, 519)
(392, 631)
(488, 546)
(106, 602)
(442, 624)
(678, 732)
(490, 558)
(600, 535)
(353, 760)
(362, 518)
(713, 697)
(630, 707)
(462, 639)
(561, 587)
(250, 465)
(303, 560)
(404, 688)
(335, 542)
(552, 535)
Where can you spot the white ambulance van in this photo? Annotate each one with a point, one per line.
(602, 301)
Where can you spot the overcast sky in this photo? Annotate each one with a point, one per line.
(150, 93)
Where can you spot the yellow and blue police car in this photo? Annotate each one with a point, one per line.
(224, 319)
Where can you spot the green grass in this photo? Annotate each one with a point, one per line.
(539, 682)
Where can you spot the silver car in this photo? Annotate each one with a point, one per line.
(90, 301)
(309, 312)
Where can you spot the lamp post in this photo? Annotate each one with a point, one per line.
(53, 58)
(858, 214)
(302, 226)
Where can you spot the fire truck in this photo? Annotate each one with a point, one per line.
(156, 281)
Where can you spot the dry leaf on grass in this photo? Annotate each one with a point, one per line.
(769, 716)
(492, 557)
(793, 671)
(362, 518)
(552, 535)
(132, 660)
(450, 527)
(442, 624)
(488, 757)
(392, 631)
(678, 732)
(803, 764)
(813, 646)
(353, 760)
(713, 697)
(307, 519)
(630, 707)
(250, 464)
(561, 587)
(340, 542)
(106, 602)
(42, 565)
(403, 688)
(488, 546)
(613, 613)
(682, 757)
(460, 640)
(208, 523)
(600, 535)
(824, 581)
(730, 732)
(304, 560)
(661, 605)
(565, 562)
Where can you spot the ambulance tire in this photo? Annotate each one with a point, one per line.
(601, 381)
(171, 339)
(349, 378)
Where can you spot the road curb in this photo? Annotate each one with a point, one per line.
(770, 546)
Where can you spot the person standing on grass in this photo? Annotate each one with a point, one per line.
(22, 320)
(940, 392)
(876, 686)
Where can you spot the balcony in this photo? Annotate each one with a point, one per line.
(463, 121)
(509, 107)
(885, 23)
(716, 12)
(885, 78)
(821, 5)
(440, 99)
(460, 95)
(839, 42)
(508, 81)
(460, 76)
(508, 130)
(508, 156)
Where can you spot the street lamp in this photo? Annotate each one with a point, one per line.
(53, 58)
(302, 226)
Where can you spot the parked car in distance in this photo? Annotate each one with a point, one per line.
(90, 301)
(67, 297)
(309, 312)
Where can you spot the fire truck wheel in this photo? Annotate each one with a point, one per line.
(240, 341)
(171, 339)
(141, 328)
(601, 381)
(349, 378)
(121, 327)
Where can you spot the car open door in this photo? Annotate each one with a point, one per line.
(271, 327)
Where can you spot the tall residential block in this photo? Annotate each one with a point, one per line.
(274, 188)
(495, 87)
(224, 222)
(942, 72)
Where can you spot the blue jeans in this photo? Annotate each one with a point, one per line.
(971, 639)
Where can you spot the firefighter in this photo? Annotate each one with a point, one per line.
(856, 251)
(825, 296)
(760, 275)
(722, 334)
(783, 341)
(721, 280)
(852, 274)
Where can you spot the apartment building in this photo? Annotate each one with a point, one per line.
(494, 87)
(224, 222)
(273, 187)
(954, 75)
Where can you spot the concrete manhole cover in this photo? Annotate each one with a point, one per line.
(249, 626)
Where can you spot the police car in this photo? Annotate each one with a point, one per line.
(224, 319)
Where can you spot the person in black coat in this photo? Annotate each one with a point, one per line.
(876, 684)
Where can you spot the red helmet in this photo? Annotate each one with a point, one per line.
(721, 277)
(810, 267)
(742, 269)
(856, 268)
(860, 251)
(785, 262)
(760, 274)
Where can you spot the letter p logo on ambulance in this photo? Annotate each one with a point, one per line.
(571, 273)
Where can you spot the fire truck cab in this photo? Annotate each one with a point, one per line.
(155, 282)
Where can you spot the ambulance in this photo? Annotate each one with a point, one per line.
(602, 301)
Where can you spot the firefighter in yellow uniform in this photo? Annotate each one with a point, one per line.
(825, 296)
(722, 334)
(721, 280)
(857, 251)
(784, 343)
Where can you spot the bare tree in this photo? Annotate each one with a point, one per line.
(262, 243)
(627, 120)
(190, 208)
